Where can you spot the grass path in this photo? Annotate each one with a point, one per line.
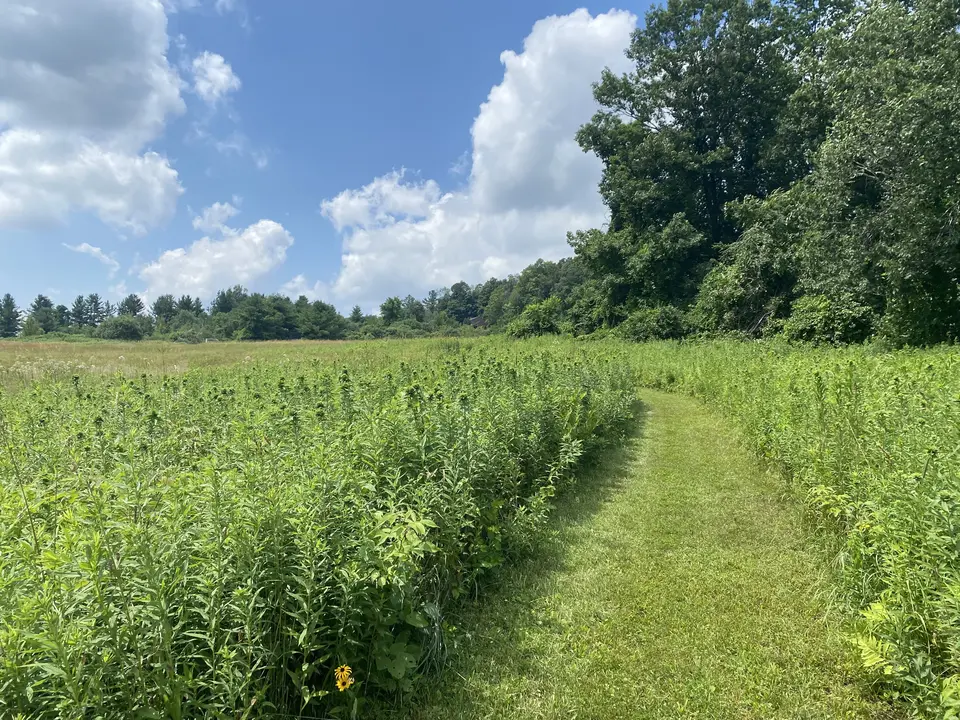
(677, 584)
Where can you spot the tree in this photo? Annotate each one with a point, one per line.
(391, 310)
(432, 301)
(62, 315)
(163, 309)
(80, 315)
(494, 310)
(96, 309)
(43, 314)
(356, 315)
(867, 243)
(709, 116)
(319, 320)
(131, 305)
(10, 316)
(228, 300)
(41, 302)
(260, 317)
(460, 304)
(186, 303)
(413, 309)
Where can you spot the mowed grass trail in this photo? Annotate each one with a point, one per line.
(678, 584)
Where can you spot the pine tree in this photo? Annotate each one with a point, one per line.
(10, 317)
(80, 312)
(130, 305)
(97, 311)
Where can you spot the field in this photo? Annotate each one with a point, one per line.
(217, 542)
(217, 530)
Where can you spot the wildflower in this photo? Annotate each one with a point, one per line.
(344, 675)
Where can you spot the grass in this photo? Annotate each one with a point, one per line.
(23, 362)
(871, 443)
(216, 543)
(676, 583)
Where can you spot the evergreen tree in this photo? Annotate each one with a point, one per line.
(187, 303)
(96, 310)
(80, 312)
(131, 305)
(228, 300)
(62, 315)
(10, 317)
(41, 302)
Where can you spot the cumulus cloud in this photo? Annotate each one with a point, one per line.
(381, 202)
(529, 181)
(84, 86)
(210, 264)
(88, 249)
(301, 286)
(213, 78)
(214, 218)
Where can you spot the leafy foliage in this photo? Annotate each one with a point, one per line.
(216, 544)
(870, 441)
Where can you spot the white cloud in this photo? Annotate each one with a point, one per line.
(214, 218)
(381, 202)
(529, 181)
(301, 286)
(462, 164)
(96, 252)
(213, 78)
(225, 6)
(84, 86)
(208, 265)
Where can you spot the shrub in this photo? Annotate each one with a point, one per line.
(818, 318)
(542, 318)
(661, 322)
(123, 327)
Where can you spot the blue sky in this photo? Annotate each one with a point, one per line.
(342, 150)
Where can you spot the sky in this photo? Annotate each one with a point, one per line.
(343, 150)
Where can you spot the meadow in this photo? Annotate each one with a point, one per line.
(224, 542)
(220, 530)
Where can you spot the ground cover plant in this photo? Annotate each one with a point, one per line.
(276, 537)
(871, 440)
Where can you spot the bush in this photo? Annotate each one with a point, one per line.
(123, 327)
(542, 318)
(662, 322)
(820, 319)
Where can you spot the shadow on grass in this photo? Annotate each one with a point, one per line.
(491, 627)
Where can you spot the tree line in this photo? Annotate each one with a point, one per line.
(771, 168)
(237, 314)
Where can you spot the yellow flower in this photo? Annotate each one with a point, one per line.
(344, 675)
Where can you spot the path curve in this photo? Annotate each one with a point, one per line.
(678, 584)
